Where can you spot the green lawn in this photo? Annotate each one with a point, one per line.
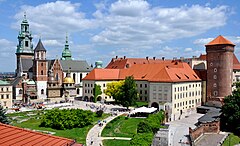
(79, 134)
(231, 140)
(111, 142)
(121, 127)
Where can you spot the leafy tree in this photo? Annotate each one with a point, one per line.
(129, 92)
(97, 91)
(114, 89)
(143, 139)
(3, 117)
(144, 127)
(231, 111)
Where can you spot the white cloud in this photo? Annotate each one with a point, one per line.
(7, 49)
(53, 19)
(135, 23)
(188, 49)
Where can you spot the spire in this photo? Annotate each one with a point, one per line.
(66, 54)
(25, 18)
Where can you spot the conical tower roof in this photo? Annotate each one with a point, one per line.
(220, 40)
(40, 46)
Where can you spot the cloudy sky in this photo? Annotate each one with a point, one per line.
(101, 30)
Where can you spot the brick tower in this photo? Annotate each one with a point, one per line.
(40, 69)
(219, 67)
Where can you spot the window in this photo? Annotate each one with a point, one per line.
(145, 91)
(215, 70)
(7, 89)
(140, 91)
(215, 93)
(41, 64)
(215, 77)
(140, 85)
(26, 43)
(140, 97)
(80, 77)
(154, 95)
(103, 85)
(215, 85)
(2, 96)
(145, 85)
(20, 91)
(41, 72)
(42, 91)
(74, 77)
(7, 96)
(78, 91)
(5, 103)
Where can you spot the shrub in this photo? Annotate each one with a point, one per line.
(99, 113)
(143, 139)
(144, 127)
(66, 119)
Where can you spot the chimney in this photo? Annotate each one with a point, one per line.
(147, 57)
(181, 58)
(163, 58)
(116, 57)
(154, 58)
(174, 58)
(124, 57)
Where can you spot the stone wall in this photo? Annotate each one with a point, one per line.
(211, 127)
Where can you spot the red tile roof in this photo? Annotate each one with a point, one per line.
(203, 57)
(174, 71)
(121, 63)
(220, 40)
(14, 136)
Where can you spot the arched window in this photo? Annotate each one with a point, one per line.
(41, 72)
(57, 76)
(42, 91)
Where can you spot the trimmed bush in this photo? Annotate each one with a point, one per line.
(66, 119)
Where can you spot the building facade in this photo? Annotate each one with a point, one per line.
(5, 94)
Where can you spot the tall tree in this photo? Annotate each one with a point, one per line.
(114, 90)
(3, 117)
(129, 92)
(231, 111)
(97, 91)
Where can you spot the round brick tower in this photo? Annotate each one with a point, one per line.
(219, 67)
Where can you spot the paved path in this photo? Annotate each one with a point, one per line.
(94, 134)
(179, 128)
(119, 138)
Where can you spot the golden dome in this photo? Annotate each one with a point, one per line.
(68, 80)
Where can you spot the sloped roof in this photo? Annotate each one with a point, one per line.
(103, 74)
(4, 82)
(26, 64)
(220, 40)
(16, 81)
(121, 63)
(75, 66)
(203, 57)
(14, 136)
(162, 72)
(40, 46)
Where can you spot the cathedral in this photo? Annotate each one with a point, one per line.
(39, 79)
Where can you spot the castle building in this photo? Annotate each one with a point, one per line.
(169, 85)
(39, 79)
(5, 94)
(219, 67)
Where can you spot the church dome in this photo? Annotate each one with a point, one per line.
(68, 79)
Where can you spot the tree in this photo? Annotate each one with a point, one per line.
(96, 91)
(3, 117)
(231, 111)
(142, 139)
(129, 92)
(114, 89)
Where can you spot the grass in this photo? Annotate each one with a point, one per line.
(141, 103)
(231, 140)
(79, 134)
(112, 142)
(121, 127)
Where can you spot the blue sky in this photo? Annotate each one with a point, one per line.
(101, 30)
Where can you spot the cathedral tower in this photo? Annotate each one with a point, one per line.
(40, 69)
(219, 67)
(24, 52)
(66, 54)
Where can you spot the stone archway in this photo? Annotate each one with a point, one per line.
(85, 98)
(91, 99)
(156, 105)
(99, 98)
